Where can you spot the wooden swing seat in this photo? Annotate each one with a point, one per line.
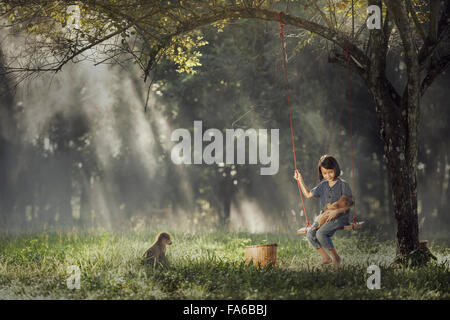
(352, 226)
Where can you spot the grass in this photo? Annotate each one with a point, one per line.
(208, 265)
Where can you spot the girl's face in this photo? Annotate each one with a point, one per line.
(328, 174)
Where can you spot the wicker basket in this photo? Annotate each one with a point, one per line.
(261, 255)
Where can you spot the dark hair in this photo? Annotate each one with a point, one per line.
(328, 162)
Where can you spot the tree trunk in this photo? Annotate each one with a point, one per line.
(395, 133)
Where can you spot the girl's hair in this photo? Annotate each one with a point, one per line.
(328, 162)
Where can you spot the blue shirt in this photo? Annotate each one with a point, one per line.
(333, 194)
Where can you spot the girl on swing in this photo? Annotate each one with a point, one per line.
(329, 190)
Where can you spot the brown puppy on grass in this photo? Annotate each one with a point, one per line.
(156, 254)
(343, 202)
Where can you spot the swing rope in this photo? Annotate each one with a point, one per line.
(349, 97)
(283, 49)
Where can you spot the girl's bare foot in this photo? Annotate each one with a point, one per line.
(323, 262)
(336, 258)
(337, 262)
(325, 257)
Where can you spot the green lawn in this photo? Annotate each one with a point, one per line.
(209, 266)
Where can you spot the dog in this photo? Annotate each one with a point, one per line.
(344, 202)
(156, 254)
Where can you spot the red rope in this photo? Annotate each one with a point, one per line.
(290, 113)
(349, 95)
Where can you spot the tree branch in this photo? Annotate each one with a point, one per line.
(400, 15)
(324, 17)
(341, 60)
(434, 70)
(429, 46)
(339, 38)
(387, 31)
(416, 20)
(435, 6)
(201, 15)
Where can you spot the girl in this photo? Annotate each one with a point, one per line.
(329, 190)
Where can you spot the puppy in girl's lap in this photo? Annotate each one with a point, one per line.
(345, 202)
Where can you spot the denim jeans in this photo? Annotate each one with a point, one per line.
(322, 237)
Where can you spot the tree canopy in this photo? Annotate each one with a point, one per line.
(109, 31)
